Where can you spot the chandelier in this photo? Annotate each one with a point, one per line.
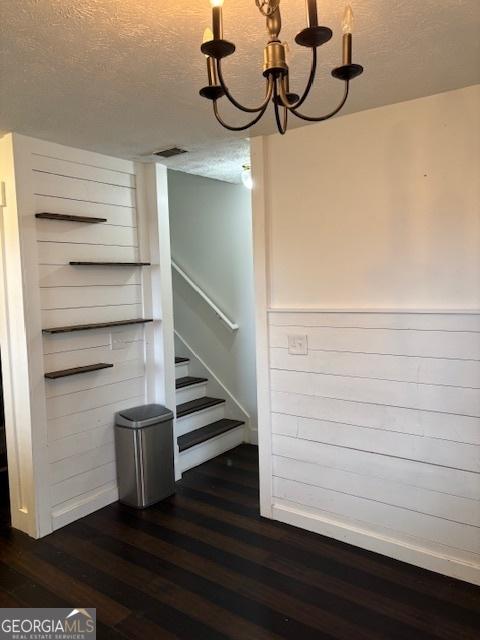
(275, 67)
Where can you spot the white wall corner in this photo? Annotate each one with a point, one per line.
(261, 282)
(152, 189)
(21, 342)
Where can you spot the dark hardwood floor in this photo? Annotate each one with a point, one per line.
(203, 565)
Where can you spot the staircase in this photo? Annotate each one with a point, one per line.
(202, 430)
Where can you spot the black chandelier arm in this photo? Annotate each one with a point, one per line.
(281, 125)
(237, 104)
(304, 96)
(311, 78)
(328, 115)
(246, 126)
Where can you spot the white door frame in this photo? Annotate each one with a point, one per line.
(154, 242)
(22, 354)
(260, 226)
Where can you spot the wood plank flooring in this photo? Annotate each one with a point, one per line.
(203, 565)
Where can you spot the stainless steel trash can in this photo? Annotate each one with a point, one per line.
(144, 447)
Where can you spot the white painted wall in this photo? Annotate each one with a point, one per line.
(367, 236)
(379, 208)
(60, 432)
(211, 240)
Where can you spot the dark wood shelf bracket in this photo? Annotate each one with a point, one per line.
(98, 325)
(69, 218)
(64, 373)
(110, 264)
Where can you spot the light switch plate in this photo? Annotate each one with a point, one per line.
(298, 345)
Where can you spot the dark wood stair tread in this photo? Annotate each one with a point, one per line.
(98, 325)
(188, 381)
(69, 218)
(65, 373)
(109, 264)
(206, 433)
(186, 408)
(181, 359)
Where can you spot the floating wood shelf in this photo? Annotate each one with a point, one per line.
(68, 218)
(110, 264)
(54, 375)
(98, 325)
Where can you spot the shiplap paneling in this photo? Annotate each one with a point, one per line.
(46, 184)
(91, 296)
(66, 276)
(46, 164)
(62, 253)
(95, 379)
(80, 443)
(82, 462)
(409, 395)
(379, 424)
(90, 315)
(83, 357)
(81, 408)
(85, 233)
(82, 484)
(115, 215)
(457, 428)
(464, 484)
(425, 527)
(63, 342)
(93, 398)
(404, 319)
(435, 503)
(464, 345)
(401, 445)
(440, 371)
(86, 503)
(87, 419)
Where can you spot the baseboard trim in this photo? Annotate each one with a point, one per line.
(388, 546)
(84, 505)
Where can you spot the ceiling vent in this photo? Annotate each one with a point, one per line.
(170, 153)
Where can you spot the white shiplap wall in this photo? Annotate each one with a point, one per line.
(60, 432)
(80, 409)
(376, 432)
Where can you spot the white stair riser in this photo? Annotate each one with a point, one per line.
(181, 370)
(207, 450)
(199, 419)
(191, 393)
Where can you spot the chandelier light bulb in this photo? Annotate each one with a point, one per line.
(217, 19)
(347, 24)
(207, 35)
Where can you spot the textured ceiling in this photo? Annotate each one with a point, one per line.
(122, 76)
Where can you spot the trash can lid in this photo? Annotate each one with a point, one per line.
(143, 416)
